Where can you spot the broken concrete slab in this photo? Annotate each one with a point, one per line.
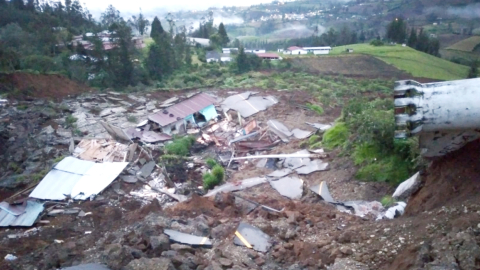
(48, 130)
(301, 134)
(110, 111)
(116, 132)
(238, 185)
(245, 206)
(280, 130)
(188, 239)
(252, 237)
(146, 170)
(291, 187)
(280, 173)
(248, 105)
(362, 208)
(295, 162)
(313, 166)
(322, 190)
(407, 187)
(321, 127)
(129, 179)
(395, 211)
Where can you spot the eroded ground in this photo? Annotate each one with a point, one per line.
(440, 229)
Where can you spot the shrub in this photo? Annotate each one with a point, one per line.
(336, 136)
(180, 146)
(214, 178)
(376, 42)
(315, 108)
(211, 162)
(209, 181)
(219, 172)
(38, 63)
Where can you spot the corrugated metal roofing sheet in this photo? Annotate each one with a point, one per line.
(181, 110)
(268, 55)
(77, 178)
(26, 219)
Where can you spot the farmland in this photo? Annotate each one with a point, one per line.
(466, 45)
(416, 63)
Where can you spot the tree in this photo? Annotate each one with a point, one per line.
(139, 23)
(412, 39)
(18, 4)
(397, 30)
(422, 42)
(362, 37)
(157, 29)
(241, 61)
(223, 35)
(119, 59)
(110, 16)
(188, 56)
(473, 73)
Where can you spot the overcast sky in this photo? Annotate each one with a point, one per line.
(132, 6)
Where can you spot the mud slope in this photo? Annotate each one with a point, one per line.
(449, 180)
(29, 86)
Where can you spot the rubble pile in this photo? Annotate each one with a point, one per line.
(117, 199)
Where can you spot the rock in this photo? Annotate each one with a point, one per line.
(347, 263)
(408, 187)
(116, 256)
(151, 264)
(346, 250)
(259, 261)
(159, 244)
(225, 262)
(179, 247)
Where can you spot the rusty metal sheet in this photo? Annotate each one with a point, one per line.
(250, 126)
(183, 109)
(256, 145)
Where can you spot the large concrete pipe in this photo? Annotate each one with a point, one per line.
(445, 115)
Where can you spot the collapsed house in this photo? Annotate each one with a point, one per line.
(192, 112)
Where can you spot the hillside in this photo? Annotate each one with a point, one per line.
(417, 63)
(467, 45)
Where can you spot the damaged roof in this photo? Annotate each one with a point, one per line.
(77, 178)
(183, 109)
(27, 217)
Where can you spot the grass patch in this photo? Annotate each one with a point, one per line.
(70, 121)
(388, 201)
(180, 146)
(336, 136)
(132, 118)
(58, 159)
(22, 107)
(315, 108)
(417, 63)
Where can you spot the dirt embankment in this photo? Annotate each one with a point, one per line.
(449, 180)
(30, 86)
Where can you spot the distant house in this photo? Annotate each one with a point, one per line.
(212, 56)
(349, 50)
(318, 50)
(280, 50)
(194, 111)
(294, 50)
(229, 50)
(138, 42)
(255, 51)
(269, 56)
(204, 42)
(225, 57)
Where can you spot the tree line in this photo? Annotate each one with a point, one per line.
(397, 31)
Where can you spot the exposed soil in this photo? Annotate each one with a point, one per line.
(440, 229)
(33, 86)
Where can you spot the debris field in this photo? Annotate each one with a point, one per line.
(108, 195)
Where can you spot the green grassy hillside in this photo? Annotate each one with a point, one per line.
(417, 63)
